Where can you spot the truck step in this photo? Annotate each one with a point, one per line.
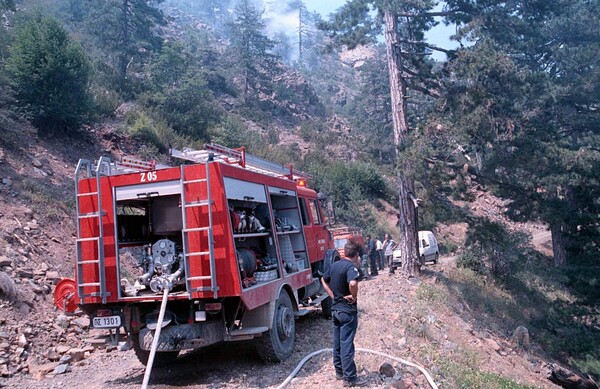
(249, 331)
(302, 312)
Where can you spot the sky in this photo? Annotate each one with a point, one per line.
(438, 36)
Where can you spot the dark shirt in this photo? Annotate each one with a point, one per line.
(371, 248)
(338, 277)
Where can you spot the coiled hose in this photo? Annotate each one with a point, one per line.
(405, 362)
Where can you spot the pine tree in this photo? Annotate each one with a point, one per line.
(128, 30)
(249, 48)
(403, 24)
(525, 99)
(49, 74)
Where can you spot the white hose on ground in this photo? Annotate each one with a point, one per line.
(405, 362)
(161, 316)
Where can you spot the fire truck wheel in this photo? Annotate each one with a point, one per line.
(161, 358)
(277, 344)
(326, 307)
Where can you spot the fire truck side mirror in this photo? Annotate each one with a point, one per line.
(327, 207)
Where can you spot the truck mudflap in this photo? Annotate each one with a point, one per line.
(183, 336)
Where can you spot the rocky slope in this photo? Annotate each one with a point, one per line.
(42, 347)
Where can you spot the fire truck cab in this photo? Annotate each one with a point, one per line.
(239, 242)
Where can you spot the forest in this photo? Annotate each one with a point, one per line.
(357, 99)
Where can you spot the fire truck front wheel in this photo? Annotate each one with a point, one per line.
(161, 358)
(277, 344)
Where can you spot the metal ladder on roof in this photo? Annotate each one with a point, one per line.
(239, 156)
(188, 256)
(99, 287)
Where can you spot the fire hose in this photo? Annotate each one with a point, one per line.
(405, 362)
(161, 316)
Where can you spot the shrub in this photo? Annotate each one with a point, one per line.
(492, 249)
(49, 73)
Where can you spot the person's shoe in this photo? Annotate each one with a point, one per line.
(339, 376)
(358, 381)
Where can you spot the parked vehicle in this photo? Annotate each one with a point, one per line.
(341, 235)
(239, 243)
(428, 249)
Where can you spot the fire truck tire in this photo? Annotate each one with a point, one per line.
(326, 307)
(277, 344)
(161, 358)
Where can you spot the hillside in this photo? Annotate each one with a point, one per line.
(422, 320)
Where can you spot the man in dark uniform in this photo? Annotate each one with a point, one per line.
(341, 283)
(372, 253)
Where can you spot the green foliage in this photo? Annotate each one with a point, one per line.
(155, 134)
(249, 49)
(188, 108)
(49, 73)
(492, 249)
(231, 132)
(128, 31)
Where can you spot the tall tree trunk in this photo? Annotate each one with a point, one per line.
(558, 243)
(408, 222)
(125, 33)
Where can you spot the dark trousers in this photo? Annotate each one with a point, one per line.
(373, 263)
(344, 330)
(381, 259)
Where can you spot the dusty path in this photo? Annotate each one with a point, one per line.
(389, 315)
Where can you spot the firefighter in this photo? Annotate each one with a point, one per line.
(341, 283)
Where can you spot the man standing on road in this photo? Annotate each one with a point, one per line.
(389, 245)
(341, 283)
(379, 248)
(372, 253)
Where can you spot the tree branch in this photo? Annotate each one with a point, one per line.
(426, 14)
(429, 46)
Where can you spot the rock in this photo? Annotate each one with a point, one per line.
(398, 385)
(4, 261)
(25, 272)
(62, 349)
(53, 276)
(387, 370)
(62, 369)
(22, 342)
(62, 321)
(4, 372)
(76, 354)
(39, 371)
(19, 351)
(82, 322)
(4, 346)
(37, 163)
(7, 181)
(493, 344)
(402, 342)
(53, 356)
(65, 359)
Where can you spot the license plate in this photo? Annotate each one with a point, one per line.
(106, 322)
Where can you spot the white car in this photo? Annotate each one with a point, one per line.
(428, 249)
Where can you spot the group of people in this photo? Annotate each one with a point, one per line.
(377, 255)
(340, 282)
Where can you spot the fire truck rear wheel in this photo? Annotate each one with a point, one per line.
(161, 358)
(277, 344)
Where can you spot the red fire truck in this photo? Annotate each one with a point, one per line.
(239, 242)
